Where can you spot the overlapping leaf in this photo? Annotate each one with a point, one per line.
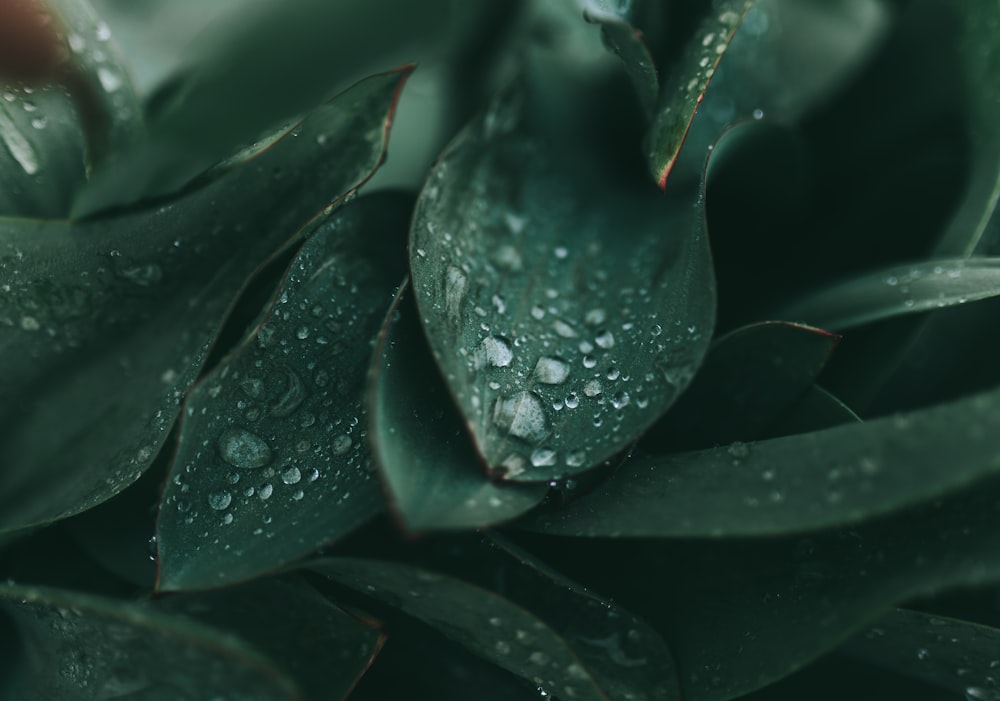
(272, 460)
(800, 482)
(109, 321)
(84, 646)
(741, 613)
(960, 656)
(558, 299)
(750, 376)
(433, 475)
(568, 642)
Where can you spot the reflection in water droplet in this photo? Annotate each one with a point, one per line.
(543, 457)
(496, 351)
(521, 415)
(220, 500)
(551, 371)
(243, 449)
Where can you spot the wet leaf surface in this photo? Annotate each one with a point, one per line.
(108, 321)
(272, 460)
(905, 289)
(685, 85)
(749, 377)
(542, 628)
(800, 482)
(566, 308)
(42, 151)
(84, 646)
(959, 656)
(740, 613)
(434, 477)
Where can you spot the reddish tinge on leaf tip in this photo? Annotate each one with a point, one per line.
(32, 49)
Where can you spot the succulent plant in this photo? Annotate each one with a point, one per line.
(671, 377)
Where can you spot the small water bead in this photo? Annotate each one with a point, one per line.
(613, 374)
(243, 449)
(572, 400)
(496, 351)
(589, 361)
(620, 400)
(291, 476)
(298, 495)
(576, 458)
(605, 339)
(656, 330)
(592, 388)
(220, 500)
(537, 313)
(561, 252)
(586, 346)
(922, 654)
(563, 329)
(551, 371)
(265, 491)
(595, 317)
(543, 457)
(303, 333)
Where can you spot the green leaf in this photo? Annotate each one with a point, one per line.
(959, 656)
(569, 643)
(798, 483)
(434, 477)
(905, 289)
(272, 460)
(84, 646)
(45, 130)
(109, 321)
(320, 646)
(815, 410)
(273, 63)
(558, 297)
(740, 613)
(749, 377)
(686, 84)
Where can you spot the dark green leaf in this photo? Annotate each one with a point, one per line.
(272, 460)
(83, 646)
(741, 613)
(801, 482)
(109, 321)
(273, 63)
(573, 647)
(960, 656)
(434, 477)
(749, 377)
(686, 84)
(904, 289)
(815, 410)
(557, 298)
(45, 130)
(324, 649)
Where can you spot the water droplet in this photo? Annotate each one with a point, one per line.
(30, 323)
(592, 388)
(265, 491)
(537, 313)
(922, 654)
(145, 275)
(738, 450)
(595, 317)
(110, 80)
(495, 621)
(76, 43)
(576, 458)
(589, 361)
(454, 292)
(572, 400)
(620, 400)
(341, 444)
(561, 252)
(563, 329)
(521, 415)
(543, 457)
(302, 333)
(243, 449)
(551, 371)
(291, 476)
(220, 500)
(538, 657)
(18, 146)
(613, 374)
(496, 351)
(656, 330)
(605, 339)
(298, 494)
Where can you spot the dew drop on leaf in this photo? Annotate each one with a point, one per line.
(243, 449)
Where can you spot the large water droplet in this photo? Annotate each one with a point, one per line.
(291, 476)
(551, 371)
(496, 351)
(605, 339)
(592, 388)
(521, 415)
(543, 457)
(243, 449)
